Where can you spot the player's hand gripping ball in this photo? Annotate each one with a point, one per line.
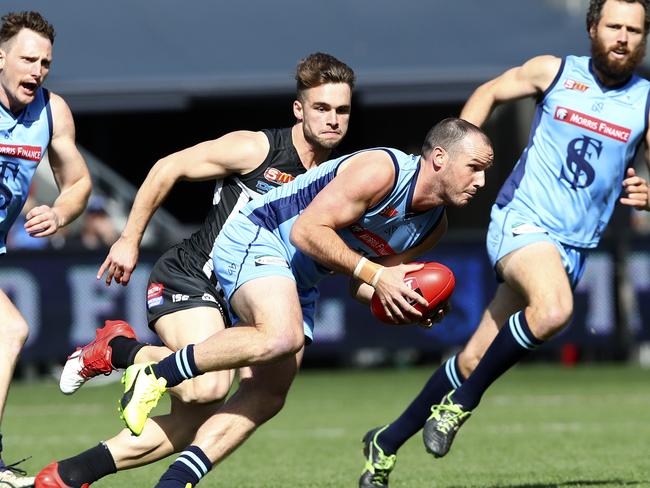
(435, 282)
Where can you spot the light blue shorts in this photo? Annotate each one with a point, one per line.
(510, 230)
(243, 252)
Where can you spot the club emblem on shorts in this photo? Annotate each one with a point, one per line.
(577, 170)
(208, 298)
(155, 295)
(519, 229)
(271, 260)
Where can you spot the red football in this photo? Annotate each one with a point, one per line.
(434, 281)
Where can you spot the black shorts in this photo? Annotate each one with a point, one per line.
(177, 283)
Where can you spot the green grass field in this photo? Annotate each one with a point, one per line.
(539, 426)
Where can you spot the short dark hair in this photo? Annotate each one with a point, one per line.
(595, 11)
(448, 133)
(320, 68)
(14, 22)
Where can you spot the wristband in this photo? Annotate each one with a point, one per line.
(367, 271)
(375, 279)
(360, 264)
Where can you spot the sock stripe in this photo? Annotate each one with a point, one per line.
(179, 365)
(519, 334)
(526, 332)
(191, 466)
(185, 361)
(450, 369)
(197, 460)
(516, 333)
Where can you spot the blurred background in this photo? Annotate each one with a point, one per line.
(145, 79)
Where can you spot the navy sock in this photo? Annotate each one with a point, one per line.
(178, 367)
(124, 350)
(87, 467)
(513, 342)
(189, 467)
(444, 379)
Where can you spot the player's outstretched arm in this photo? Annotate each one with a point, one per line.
(342, 202)
(70, 173)
(529, 79)
(233, 153)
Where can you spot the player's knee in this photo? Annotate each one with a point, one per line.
(279, 345)
(208, 388)
(551, 319)
(14, 333)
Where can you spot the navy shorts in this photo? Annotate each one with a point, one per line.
(177, 283)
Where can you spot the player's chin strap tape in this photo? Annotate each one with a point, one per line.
(368, 271)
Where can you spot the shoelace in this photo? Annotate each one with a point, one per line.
(152, 393)
(12, 467)
(449, 417)
(382, 467)
(90, 369)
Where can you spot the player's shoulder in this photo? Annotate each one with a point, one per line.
(250, 147)
(380, 162)
(62, 120)
(379, 155)
(544, 65)
(56, 101)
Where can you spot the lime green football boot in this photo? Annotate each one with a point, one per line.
(442, 426)
(142, 390)
(378, 465)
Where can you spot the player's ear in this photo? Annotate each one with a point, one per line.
(297, 110)
(3, 57)
(592, 31)
(439, 157)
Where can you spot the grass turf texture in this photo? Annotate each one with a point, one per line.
(539, 426)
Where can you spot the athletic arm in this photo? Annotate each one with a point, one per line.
(530, 79)
(341, 203)
(70, 174)
(636, 193)
(234, 153)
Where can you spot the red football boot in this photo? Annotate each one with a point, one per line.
(95, 358)
(49, 478)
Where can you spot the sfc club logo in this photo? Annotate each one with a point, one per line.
(155, 295)
(577, 169)
(575, 85)
(277, 176)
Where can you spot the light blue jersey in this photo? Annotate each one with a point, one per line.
(256, 243)
(24, 138)
(583, 138)
(390, 227)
